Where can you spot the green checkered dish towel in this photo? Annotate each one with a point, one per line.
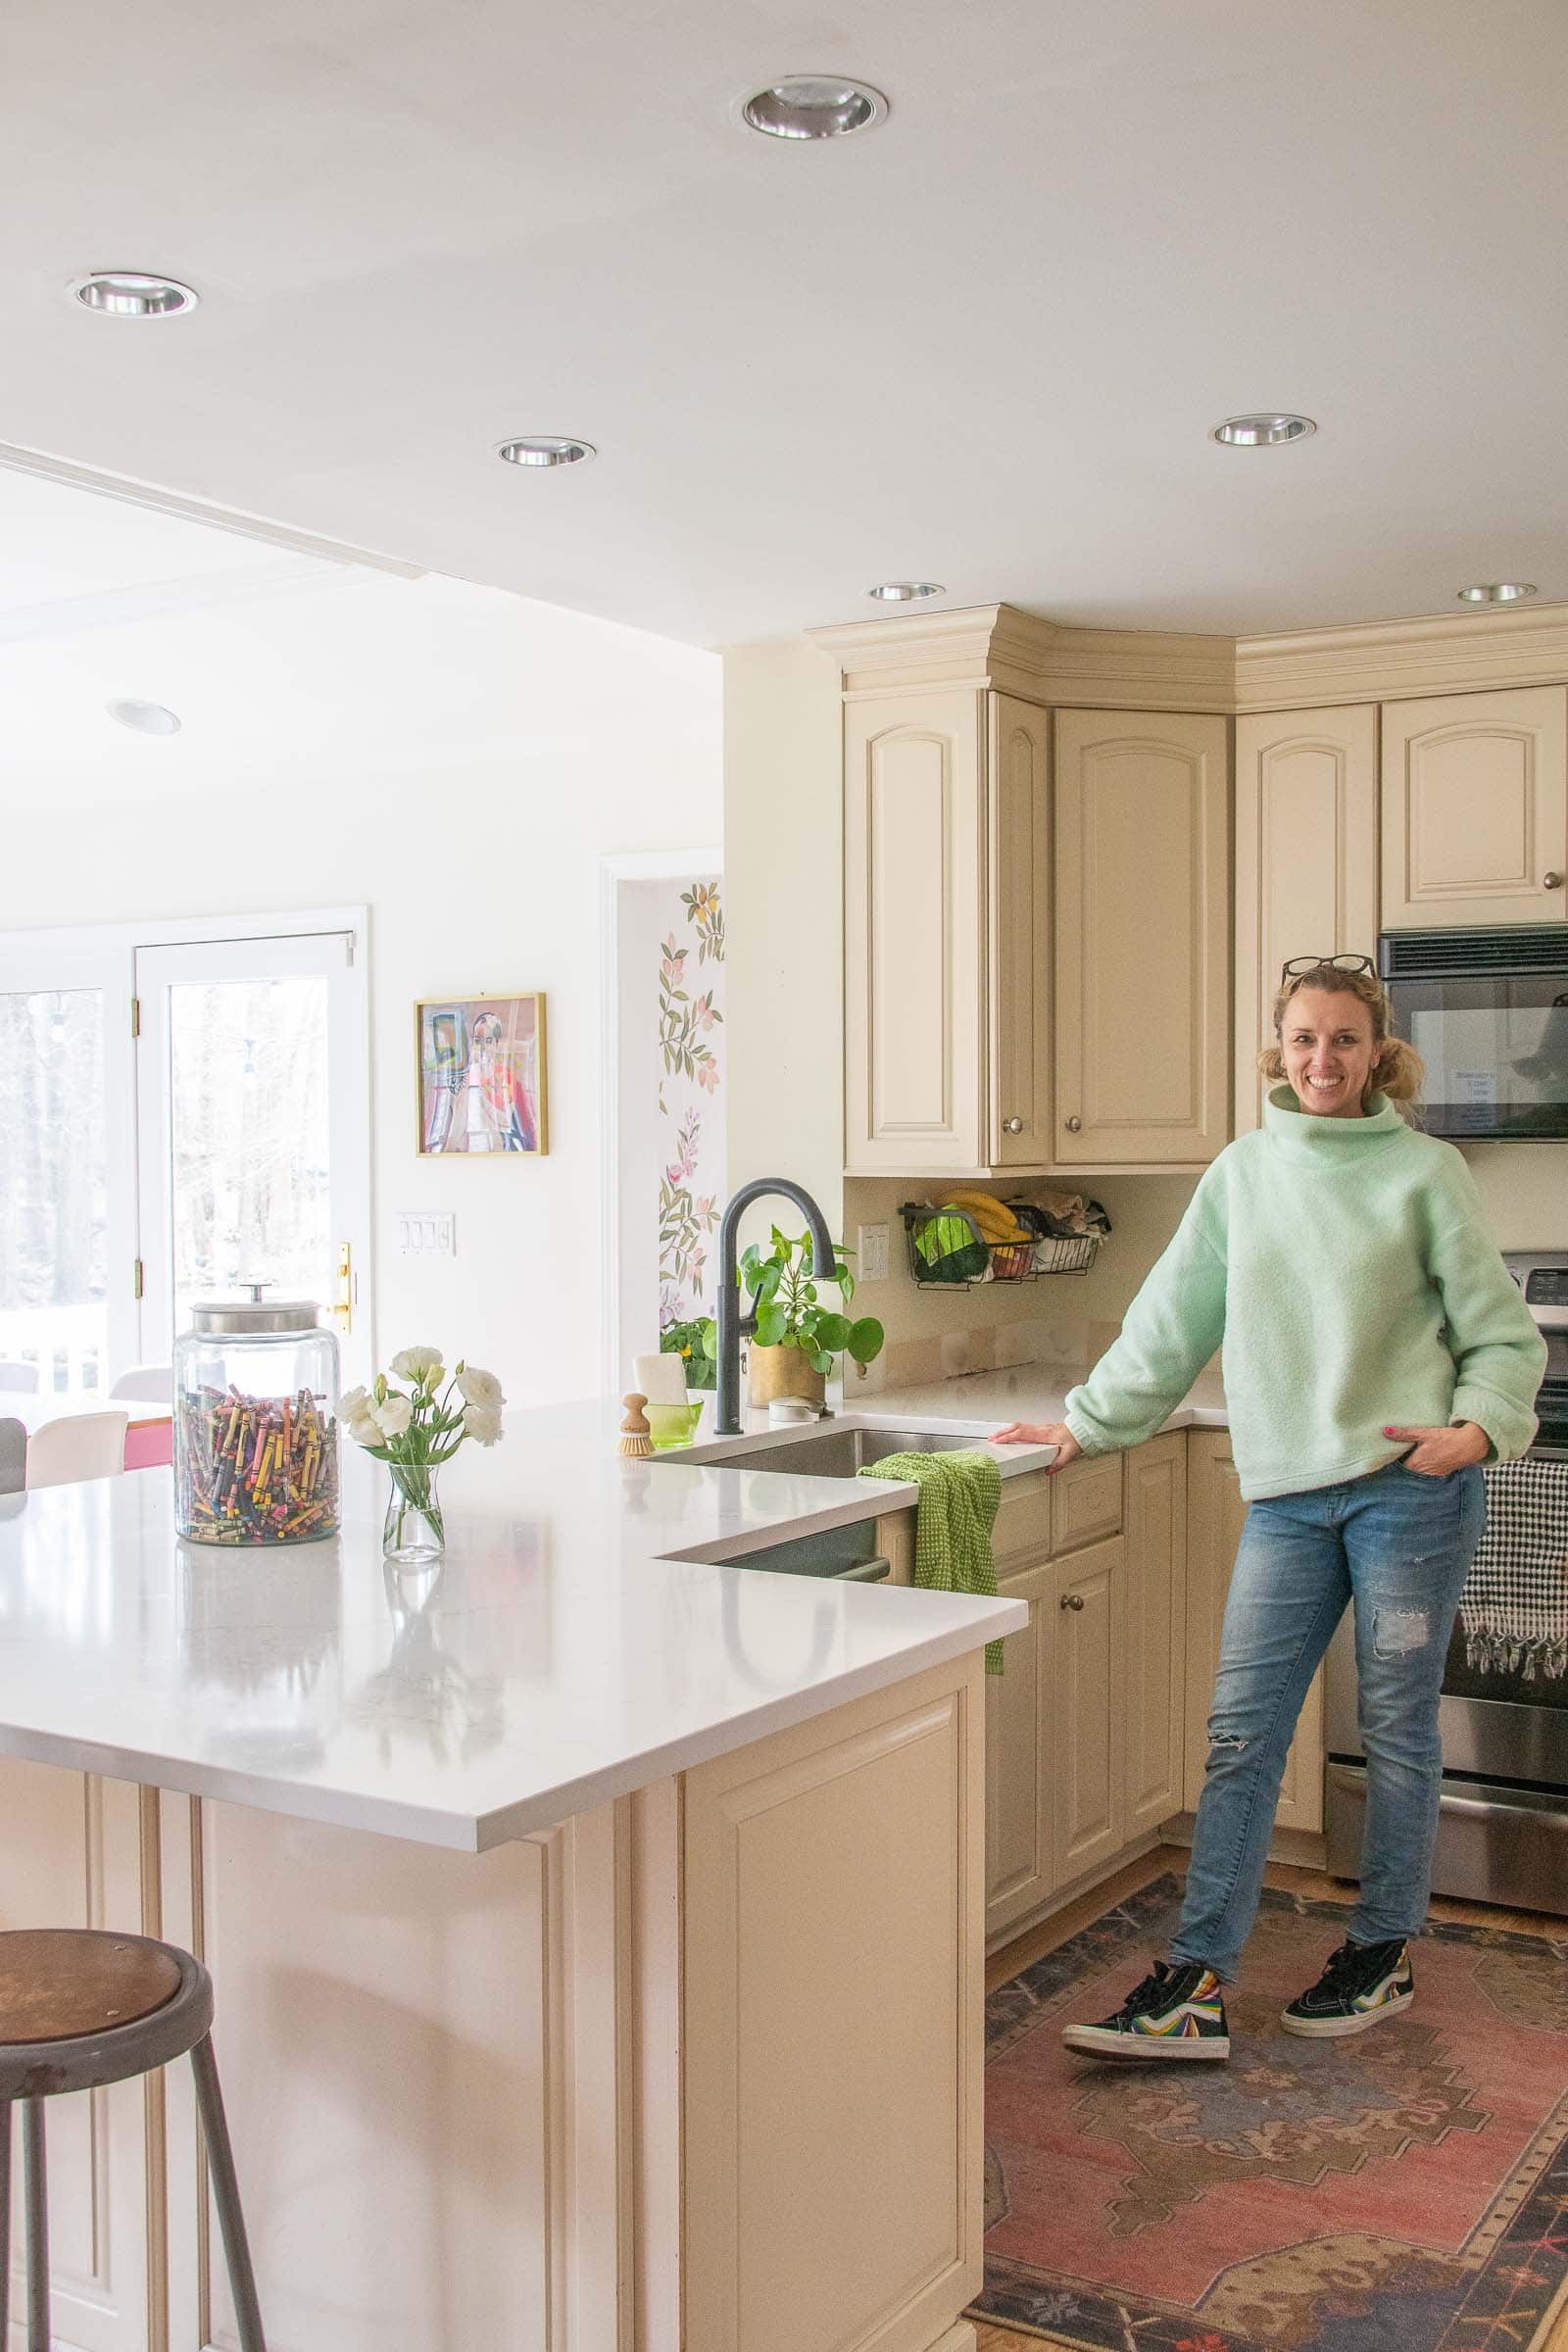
(957, 1510)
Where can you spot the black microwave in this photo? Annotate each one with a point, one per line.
(1487, 1013)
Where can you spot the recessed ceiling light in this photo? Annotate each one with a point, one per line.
(133, 294)
(905, 592)
(145, 719)
(1262, 432)
(1497, 592)
(814, 105)
(545, 448)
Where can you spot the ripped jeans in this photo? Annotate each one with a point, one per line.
(1398, 1546)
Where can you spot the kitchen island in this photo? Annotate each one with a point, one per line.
(596, 1928)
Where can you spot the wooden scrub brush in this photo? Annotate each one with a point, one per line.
(635, 1438)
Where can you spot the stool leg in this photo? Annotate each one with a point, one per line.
(5, 2222)
(226, 2193)
(38, 2226)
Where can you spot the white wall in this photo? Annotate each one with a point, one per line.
(457, 758)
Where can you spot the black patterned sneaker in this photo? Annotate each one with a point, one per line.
(1175, 2013)
(1361, 1985)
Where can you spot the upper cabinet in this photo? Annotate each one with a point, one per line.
(947, 933)
(1307, 861)
(1143, 938)
(1475, 809)
(1009, 982)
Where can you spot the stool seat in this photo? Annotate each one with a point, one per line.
(59, 1983)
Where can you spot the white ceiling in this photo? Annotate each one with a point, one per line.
(983, 344)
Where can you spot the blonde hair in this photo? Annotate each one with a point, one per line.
(1397, 1069)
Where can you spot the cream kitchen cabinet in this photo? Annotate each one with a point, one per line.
(1307, 861)
(1087, 1688)
(1475, 809)
(1143, 938)
(947, 933)
(1156, 1665)
(1020, 1767)
(74, 1857)
(1215, 1516)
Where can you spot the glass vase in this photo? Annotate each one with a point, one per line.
(413, 1533)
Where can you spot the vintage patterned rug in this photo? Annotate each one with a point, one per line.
(1403, 2190)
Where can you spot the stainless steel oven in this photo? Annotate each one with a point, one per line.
(1503, 1834)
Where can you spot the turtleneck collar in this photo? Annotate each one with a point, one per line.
(1307, 1135)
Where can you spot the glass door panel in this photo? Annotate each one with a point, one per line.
(255, 1128)
(67, 1309)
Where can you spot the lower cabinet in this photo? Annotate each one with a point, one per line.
(1096, 1735)
(1215, 1516)
(1087, 1684)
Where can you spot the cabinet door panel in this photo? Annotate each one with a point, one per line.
(1307, 861)
(1018, 1770)
(912, 1044)
(1216, 1515)
(1156, 1648)
(1018, 860)
(1475, 808)
(1087, 1681)
(70, 1857)
(1143, 873)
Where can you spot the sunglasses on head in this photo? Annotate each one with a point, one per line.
(1299, 964)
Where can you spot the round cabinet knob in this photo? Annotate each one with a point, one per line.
(1073, 1125)
(1013, 1126)
(1551, 881)
(1072, 1600)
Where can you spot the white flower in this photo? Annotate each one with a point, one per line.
(357, 1412)
(354, 1403)
(480, 1388)
(481, 1422)
(393, 1418)
(415, 1362)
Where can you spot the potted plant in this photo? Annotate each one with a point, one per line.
(797, 1339)
(696, 1343)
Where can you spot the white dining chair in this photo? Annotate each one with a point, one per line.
(77, 1446)
(12, 1455)
(14, 1374)
(153, 1384)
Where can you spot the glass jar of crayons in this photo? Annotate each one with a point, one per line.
(256, 1423)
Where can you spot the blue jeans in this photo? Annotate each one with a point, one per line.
(1398, 1546)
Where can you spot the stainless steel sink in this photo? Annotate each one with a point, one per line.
(820, 1452)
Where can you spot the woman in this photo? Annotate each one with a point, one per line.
(1376, 1354)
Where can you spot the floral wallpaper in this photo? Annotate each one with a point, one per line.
(691, 1124)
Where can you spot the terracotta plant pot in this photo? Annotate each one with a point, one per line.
(783, 1372)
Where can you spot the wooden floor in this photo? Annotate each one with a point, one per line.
(1056, 1929)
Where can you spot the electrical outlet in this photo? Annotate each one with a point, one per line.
(871, 1255)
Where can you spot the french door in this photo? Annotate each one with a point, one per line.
(253, 1123)
(68, 1191)
(179, 1115)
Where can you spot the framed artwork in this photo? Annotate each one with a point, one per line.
(482, 1075)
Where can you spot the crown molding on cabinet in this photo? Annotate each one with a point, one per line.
(1146, 669)
(1390, 660)
(997, 644)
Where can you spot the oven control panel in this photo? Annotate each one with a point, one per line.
(1543, 1276)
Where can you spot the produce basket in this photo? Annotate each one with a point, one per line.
(947, 1251)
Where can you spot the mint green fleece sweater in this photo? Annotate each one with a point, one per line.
(1346, 1265)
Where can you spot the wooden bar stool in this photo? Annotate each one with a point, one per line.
(80, 2008)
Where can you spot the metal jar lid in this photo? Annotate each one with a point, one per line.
(253, 1315)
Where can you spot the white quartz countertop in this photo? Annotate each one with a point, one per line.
(576, 1642)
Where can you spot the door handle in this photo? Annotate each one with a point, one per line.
(343, 1304)
(1072, 1125)
(1551, 881)
(1072, 1600)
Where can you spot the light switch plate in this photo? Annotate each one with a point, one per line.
(424, 1233)
(871, 1255)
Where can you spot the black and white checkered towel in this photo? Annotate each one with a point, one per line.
(1515, 1606)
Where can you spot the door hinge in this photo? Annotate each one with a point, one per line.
(135, 1016)
(343, 1310)
(135, 1282)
